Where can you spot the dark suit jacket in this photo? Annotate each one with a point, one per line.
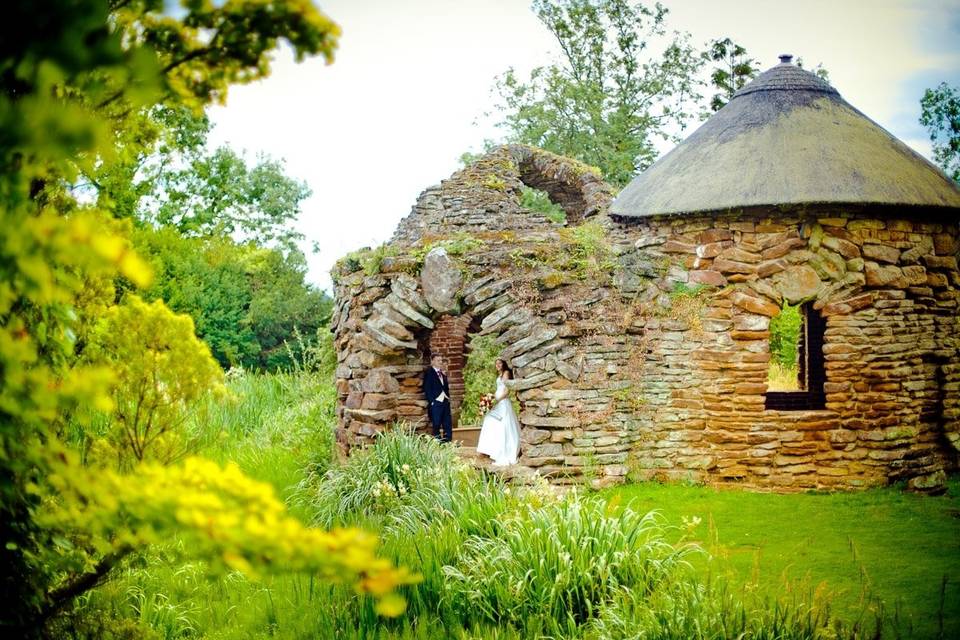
(432, 387)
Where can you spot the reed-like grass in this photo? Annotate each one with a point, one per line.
(561, 562)
(506, 562)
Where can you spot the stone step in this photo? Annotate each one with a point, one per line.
(514, 473)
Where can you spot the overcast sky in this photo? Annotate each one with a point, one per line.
(412, 81)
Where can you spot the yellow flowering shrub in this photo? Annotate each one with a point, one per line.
(160, 368)
(224, 518)
(77, 77)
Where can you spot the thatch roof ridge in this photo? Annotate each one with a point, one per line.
(787, 138)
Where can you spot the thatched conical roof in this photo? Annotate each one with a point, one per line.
(787, 138)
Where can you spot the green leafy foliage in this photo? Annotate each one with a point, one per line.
(219, 194)
(160, 368)
(246, 300)
(163, 174)
(623, 81)
(585, 251)
(539, 201)
(734, 69)
(77, 78)
(785, 336)
(784, 342)
(479, 376)
(941, 116)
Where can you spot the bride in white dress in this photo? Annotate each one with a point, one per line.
(500, 431)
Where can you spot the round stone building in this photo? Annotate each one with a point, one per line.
(639, 329)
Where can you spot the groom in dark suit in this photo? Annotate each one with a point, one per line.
(436, 389)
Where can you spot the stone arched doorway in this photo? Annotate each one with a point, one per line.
(452, 270)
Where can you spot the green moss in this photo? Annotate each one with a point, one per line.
(629, 398)
(367, 259)
(585, 252)
(495, 182)
(456, 245)
(526, 258)
(552, 280)
(687, 303)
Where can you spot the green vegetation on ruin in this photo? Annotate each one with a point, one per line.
(540, 202)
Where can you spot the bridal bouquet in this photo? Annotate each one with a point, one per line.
(485, 404)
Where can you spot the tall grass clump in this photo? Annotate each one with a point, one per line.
(383, 479)
(708, 610)
(278, 427)
(556, 566)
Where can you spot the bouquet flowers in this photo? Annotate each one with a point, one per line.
(485, 404)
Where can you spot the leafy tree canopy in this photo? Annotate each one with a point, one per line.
(166, 176)
(623, 80)
(941, 116)
(732, 71)
(78, 78)
(245, 299)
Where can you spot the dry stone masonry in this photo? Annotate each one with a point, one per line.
(640, 338)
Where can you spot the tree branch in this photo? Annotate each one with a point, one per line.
(59, 598)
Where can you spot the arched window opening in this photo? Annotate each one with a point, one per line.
(797, 373)
(576, 189)
(539, 201)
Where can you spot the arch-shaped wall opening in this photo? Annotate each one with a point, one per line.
(448, 338)
(573, 187)
(459, 339)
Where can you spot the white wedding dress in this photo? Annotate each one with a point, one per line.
(500, 431)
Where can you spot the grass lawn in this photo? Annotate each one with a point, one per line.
(898, 545)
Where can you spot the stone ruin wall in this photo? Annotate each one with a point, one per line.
(887, 289)
(627, 366)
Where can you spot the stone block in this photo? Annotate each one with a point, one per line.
(676, 246)
(738, 254)
(782, 249)
(379, 381)
(487, 291)
(730, 266)
(749, 322)
(940, 262)
(881, 253)
(944, 244)
(710, 278)
(770, 267)
(915, 274)
(528, 418)
(798, 283)
(754, 305)
(543, 450)
(377, 401)
(714, 235)
(869, 225)
(845, 248)
(884, 276)
(533, 436)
